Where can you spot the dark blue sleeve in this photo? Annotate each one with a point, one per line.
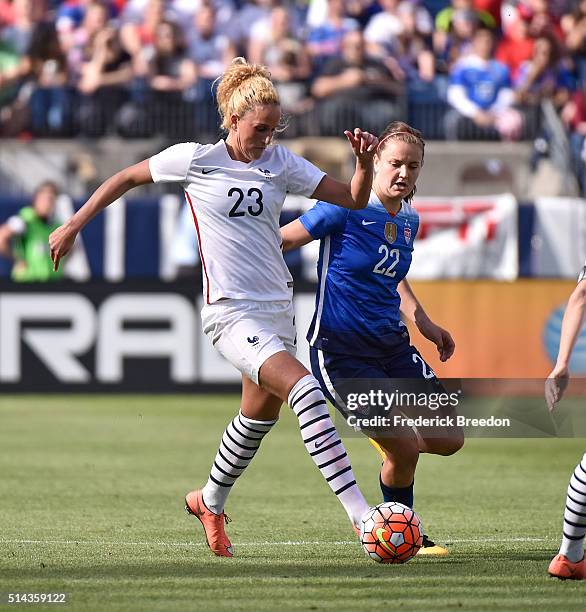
(324, 219)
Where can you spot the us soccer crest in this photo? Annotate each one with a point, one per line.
(407, 232)
(390, 232)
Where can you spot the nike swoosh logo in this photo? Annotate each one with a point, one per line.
(319, 443)
(379, 536)
(367, 222)
(209, 170)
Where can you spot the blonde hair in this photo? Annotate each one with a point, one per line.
(242, 87)
(399, 130)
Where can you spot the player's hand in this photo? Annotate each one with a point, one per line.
(555, 385)
(440, 337)
(364, 144)
(60, 243)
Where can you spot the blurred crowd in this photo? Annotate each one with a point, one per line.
(144, 67)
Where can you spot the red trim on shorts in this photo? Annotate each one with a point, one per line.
(203, 261)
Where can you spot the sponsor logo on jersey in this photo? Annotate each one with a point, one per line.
(209, 170)
(254, 340)
(365, 222)
(407, 232)
(267, 174)
(390, 232)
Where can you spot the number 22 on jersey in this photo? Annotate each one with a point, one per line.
(390, 255)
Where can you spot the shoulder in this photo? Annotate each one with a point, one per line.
(187, 149)
(27, 214)
(409, 211)
(279, 153)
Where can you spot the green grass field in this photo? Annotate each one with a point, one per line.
(91, 504)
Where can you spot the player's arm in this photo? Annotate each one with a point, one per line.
(294, 235)
(6, 235)
(557, 381)
(62, 239)
(413, 310)
(353, 195)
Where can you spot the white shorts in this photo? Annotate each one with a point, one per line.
(247, 332)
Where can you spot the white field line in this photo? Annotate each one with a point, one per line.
(242, 544)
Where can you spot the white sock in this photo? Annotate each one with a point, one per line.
(238, 446)
(575, 515)
(324, 445)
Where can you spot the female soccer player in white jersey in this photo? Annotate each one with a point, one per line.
(236, 189)
(357, 332)
(570, 562)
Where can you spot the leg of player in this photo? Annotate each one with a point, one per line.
(400, 455)
(570, 562)
(285, 377)
(241, 439)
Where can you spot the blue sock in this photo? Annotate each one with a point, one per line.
(403, 495)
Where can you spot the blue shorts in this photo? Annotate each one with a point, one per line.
(403, 362)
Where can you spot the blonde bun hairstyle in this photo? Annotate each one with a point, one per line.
(242, 87)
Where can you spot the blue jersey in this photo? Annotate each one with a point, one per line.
(482, 80)
(364, 254)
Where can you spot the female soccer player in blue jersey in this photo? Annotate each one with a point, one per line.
(356, 331)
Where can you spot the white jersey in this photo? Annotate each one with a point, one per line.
(236, 208)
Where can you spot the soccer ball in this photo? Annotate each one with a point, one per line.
(391, 533)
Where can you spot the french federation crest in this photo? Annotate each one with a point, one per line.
(390, 232)
(407, 232)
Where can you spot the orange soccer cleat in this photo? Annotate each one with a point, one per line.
(561, 567)
(213, 524)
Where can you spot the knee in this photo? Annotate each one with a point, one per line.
(447, 446)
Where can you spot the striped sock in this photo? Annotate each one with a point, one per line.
(239, 444)
(324, 445)
(575, 515)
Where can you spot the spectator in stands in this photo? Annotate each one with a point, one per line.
(325, 40)
(137, 35)
(51, 102)
(210, 49)
(172, 76)
(251, 13)
(24, 238)
(480, 95)
(542, 21)
(287, 60)
(574, 27)
(457, 42)
(14, 111)
(225, 14)
(103, 73)
(443, 19)
(492, 7)
(399, 36)
(6, 12)
(356, 89)
(574, 116)
(545, 75)
(71, 14)
(516, 45)
(26, 14)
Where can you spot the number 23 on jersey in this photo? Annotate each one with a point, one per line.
(250, 203)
